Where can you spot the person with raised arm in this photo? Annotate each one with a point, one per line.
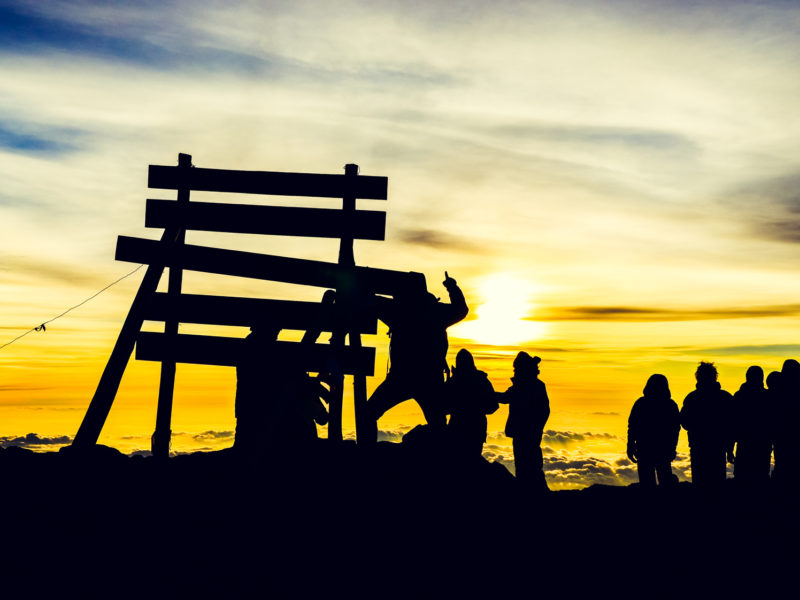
(418, 324)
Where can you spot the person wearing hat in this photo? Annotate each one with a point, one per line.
(528, 411)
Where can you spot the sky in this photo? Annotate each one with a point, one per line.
(613, 185)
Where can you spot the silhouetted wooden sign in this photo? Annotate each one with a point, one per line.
(262, 266)
(243, 312)
(266, 182)
(223, 351)
(271, 220)
(175, 307)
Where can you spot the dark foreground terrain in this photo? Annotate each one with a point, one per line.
(394, 522)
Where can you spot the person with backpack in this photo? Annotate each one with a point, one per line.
(469, 397)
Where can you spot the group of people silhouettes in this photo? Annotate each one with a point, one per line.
(418, 323)
(750, 429)
(746, 429)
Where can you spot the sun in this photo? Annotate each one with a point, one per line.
(506, 301)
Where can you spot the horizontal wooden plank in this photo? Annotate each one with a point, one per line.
(268, 182)
(269, 220)
(224, 351)
(243, 312)
(267, 267)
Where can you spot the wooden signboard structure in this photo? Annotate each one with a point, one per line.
(349, 320)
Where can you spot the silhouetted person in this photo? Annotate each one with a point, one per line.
(653, 428)
(258, 367)
(470, 397)
(753, 430)
(528, 411)
(774, 398)
(707, 417)
(298, 410)
(418, 324)
(787, 413)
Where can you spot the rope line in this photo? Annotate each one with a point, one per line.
(95, 295)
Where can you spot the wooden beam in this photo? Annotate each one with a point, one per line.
(268, 182)
(267, 267)
(243, 312)
(223, 351)
(270, 220)
(103, 399)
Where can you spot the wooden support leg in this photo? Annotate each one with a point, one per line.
(362, 413)
(163, 433)
(106, 391)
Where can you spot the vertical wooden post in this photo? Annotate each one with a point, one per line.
(347, 257)
(163, 433)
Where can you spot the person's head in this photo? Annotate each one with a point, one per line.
(464, 361)
(755, 376)
(774, 380)
(657, 386)
(525, 364)
(706, 372)
(791, 368)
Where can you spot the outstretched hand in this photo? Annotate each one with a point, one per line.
(448, 281)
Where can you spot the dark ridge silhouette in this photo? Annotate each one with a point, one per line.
(398, 521)
(528, 411)
(653, 429)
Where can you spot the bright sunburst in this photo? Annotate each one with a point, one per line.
(505, 302)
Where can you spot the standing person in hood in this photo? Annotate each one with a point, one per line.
(707, 417)
(653, 428)
(470, 397)
(528, 411)
(753, 430)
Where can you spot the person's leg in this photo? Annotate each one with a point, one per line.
(429, 393)
(521, 459)
(537, 466)
(646, 470)
(664, 471)
(386, 396)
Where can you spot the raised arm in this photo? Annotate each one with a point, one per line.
(457, 309)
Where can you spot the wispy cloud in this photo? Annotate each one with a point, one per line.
(642, 314)
(34, 441)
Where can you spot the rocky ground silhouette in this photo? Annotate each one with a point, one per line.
(403, 520)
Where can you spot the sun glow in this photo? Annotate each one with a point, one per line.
(506, 304)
